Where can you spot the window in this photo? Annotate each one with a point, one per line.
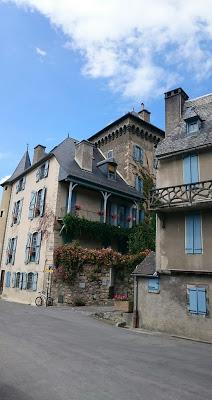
(191, 169)
(8, 277)
(37, 203)
(138, 154)
(192, 126)
(32, 252)
(1, 213)
(118, 215)
(110, 154)
(139, 184)
(30, 278)
(42, 171)
(11, 249)
(18, 276)
(153, 285)
(111, 172)
(20, 185)
(16, 215)
(197, 303)
(193, 234)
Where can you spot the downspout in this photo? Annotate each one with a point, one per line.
(135, 321)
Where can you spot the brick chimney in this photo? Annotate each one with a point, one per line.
(144, 114)
(84, 155)
(39, 152)
(174, 102)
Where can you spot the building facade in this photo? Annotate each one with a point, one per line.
(72, 178)
(181, 302)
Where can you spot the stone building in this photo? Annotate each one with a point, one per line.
(131, 140)
(174, 288)
(74, 177)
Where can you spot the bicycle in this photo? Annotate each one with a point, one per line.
(43, 299)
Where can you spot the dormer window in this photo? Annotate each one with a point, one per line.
(193, 125)
(112, 172)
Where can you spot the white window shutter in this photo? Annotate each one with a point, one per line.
(21, 280)
(24, 183)
(14, 279)
(24, 281)
(19, 211)
(38, 174)
(17, 187)
(14, 250)
(8, 251)
(13, 213)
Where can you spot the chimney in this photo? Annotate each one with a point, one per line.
(84, 155)
(174, 102)
(144, 114)
(39, 152)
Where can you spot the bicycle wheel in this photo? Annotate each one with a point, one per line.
(39, 301)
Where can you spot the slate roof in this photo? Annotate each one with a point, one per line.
(23, 165)
(133, 115)
(147, 267)
(69, 169)
(178, 140)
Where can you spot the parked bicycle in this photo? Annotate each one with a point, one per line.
(43, 300)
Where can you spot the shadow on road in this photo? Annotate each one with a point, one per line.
(8, 392)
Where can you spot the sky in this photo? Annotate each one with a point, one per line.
(74, 66)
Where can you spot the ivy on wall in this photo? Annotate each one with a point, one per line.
(69, 260)
(76, 227)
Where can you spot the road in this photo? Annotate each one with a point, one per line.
(62, 354)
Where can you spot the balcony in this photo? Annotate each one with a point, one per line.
(194, 194)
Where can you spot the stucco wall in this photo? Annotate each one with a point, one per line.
(4, 208)
(167, 311)
(170, 171)
(170, 249)
(29, 226)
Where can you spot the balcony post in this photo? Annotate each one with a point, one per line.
(70, 192)
(137, 212)
(106, 196)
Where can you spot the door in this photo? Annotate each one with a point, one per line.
(2, 281)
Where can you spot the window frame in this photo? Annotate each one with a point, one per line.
(155, 288)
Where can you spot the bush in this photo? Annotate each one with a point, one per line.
(79, 302)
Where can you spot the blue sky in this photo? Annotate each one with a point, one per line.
(74, 67)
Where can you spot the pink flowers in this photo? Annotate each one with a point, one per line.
(121, 297)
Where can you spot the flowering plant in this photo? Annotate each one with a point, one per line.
(100, 212)
(121, 297)
(77, 207)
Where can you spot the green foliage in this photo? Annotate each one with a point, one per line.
(143, 236)
(70, 259)
(76, 227)
(78, 302)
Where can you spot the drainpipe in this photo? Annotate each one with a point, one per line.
(135, 321)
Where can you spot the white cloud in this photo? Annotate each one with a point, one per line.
(4, 179)
(141, 47)
(40, 52)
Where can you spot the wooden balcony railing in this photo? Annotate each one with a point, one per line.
(180, 195)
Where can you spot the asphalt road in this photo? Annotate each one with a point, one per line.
(60, 354)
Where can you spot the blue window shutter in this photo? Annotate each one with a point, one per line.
(141, 156)
(197, 234)
(194, 159)
(42, 201)
(114, 216)
(38, 245)
(187, 170)
(192, 300)
(73, 200)
(21, 280)
(189, 234)
(32, 205)
(35, 280)
(102, 210)
(24, 280)
(46, 170)
(137, 183)
(201, 301)
(14, 250)
(14, 279)
(153, 285)
(8, 276)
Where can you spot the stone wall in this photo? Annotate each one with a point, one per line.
(91, 286)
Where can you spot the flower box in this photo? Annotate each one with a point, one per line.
(124, 305)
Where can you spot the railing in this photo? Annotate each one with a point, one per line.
(180, 195)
